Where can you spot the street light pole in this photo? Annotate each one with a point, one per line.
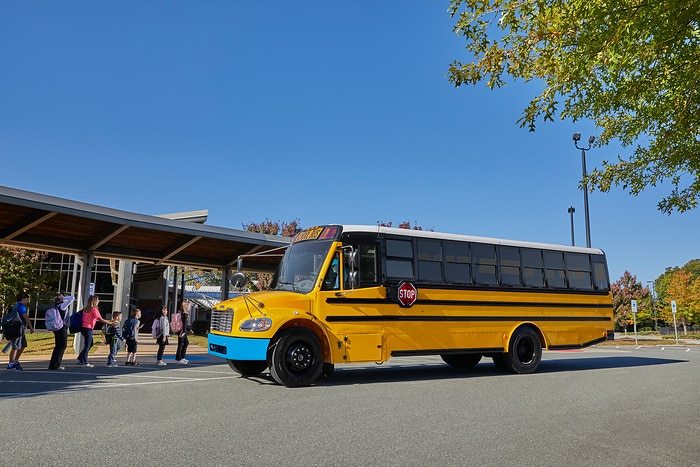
(653, 308)
(577, 138)
(572, 211)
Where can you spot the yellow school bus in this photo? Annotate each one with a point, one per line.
(347, 294)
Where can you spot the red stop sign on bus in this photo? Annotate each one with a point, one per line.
(407, 294)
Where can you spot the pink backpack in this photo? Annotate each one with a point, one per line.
(176, 322)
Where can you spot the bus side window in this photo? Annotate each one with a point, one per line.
(369, 272)
(367, 269)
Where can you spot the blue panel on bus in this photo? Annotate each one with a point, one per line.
(238, 348)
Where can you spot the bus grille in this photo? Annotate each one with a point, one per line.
(222, 321)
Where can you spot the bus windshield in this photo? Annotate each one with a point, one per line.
(300, 266)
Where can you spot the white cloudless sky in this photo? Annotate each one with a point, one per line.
(326, 112)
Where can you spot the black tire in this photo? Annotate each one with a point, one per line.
(295, 358)
(247, 367)
(525, 352)
(461, 360)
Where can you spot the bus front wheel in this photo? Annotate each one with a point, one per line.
(295, 358)
(524, 354)
(247, 367)
(462, 360)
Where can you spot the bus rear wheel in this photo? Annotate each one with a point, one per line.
(462, 360)
(295, 358)
(524, 354)
(247, 367)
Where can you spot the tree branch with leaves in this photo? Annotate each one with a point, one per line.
(629, 66)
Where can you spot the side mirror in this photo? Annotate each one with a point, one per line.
(238, 280)
(354, 259)
(354, 279)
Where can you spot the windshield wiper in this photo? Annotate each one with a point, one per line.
(294, 287)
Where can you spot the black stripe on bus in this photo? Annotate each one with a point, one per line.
(374, 319)
(464, 303)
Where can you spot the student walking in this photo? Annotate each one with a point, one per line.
(20, 343)
(91, 315)
(113, 336)
(182, 330)
(162, 331)
(61, 303)
(130, 331)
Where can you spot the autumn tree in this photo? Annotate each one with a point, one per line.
(624, 290)
(692, 267)
(262, 281)
(403, 225)
(685, 291)
(631, 67)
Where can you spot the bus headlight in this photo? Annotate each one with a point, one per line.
(256, 324)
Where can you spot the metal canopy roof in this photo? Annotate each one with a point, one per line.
(46, 223)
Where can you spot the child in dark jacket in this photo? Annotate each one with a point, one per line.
(113, 335)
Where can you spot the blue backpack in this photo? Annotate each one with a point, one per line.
(128, 328)
(75, 322)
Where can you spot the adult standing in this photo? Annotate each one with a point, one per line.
(91, 315)
(60, 303)
(20, 343)
(162, 334)
(182, 340)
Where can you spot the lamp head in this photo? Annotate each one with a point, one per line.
(591, 139)
(577, 137)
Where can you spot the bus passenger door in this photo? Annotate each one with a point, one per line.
(353, 339)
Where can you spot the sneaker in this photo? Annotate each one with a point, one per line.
(18, 367)
(61, 368)
(161, 363)
(89, 365)
(112, 365)
(128, 363)
(183, 362)
(11, 365)
(135, 363)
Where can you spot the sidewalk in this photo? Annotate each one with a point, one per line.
(145, 355)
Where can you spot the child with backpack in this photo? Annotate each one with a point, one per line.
(112, 336)
(130, 331)
(56, 318)
(161, 331)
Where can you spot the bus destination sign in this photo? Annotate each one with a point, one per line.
(316, 233)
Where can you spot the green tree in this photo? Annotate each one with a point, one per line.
(629, 66)
(23, 271)
(624, 290)
(685, 291)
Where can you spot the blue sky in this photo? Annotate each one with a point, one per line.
(326, 112)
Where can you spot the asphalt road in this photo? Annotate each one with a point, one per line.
(602, 406)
